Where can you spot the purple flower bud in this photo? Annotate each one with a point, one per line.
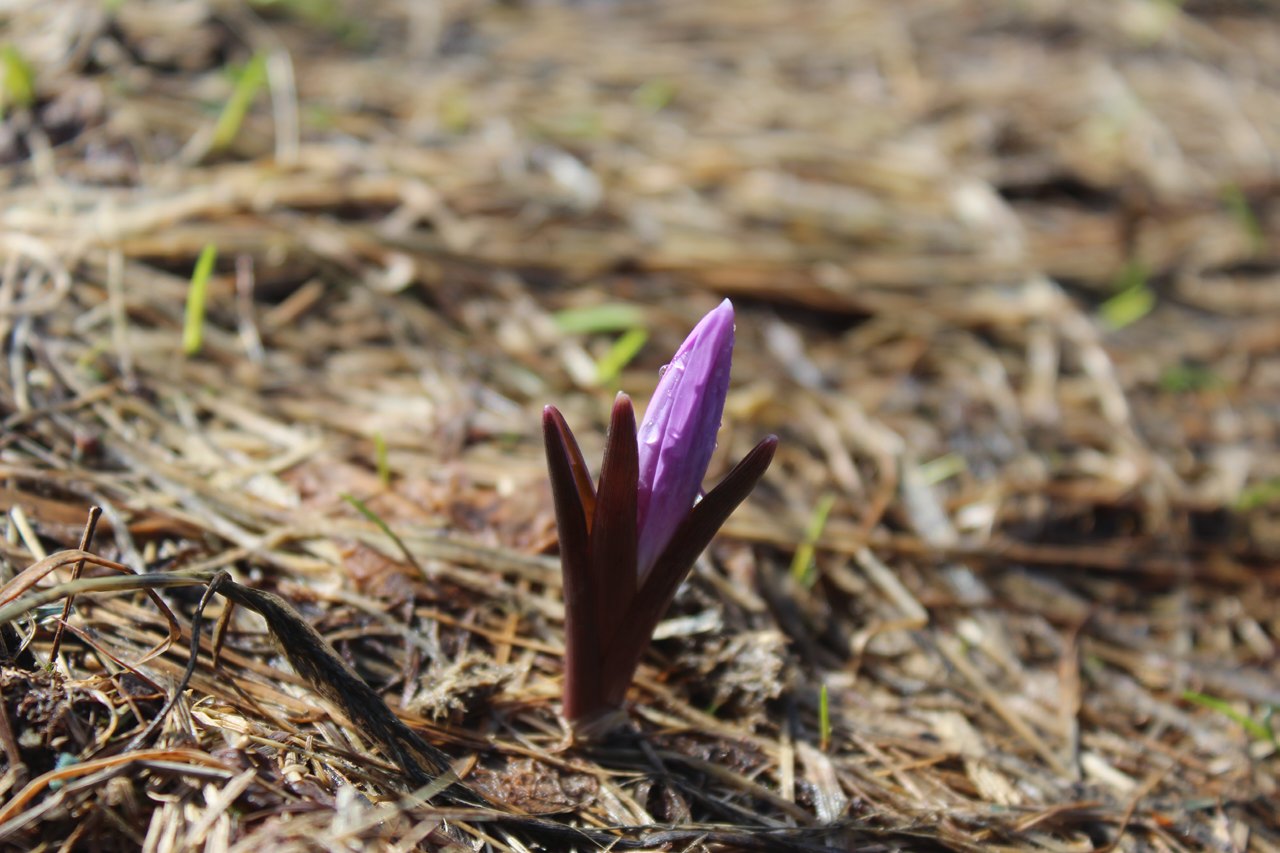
(678, 434)
(626, 545)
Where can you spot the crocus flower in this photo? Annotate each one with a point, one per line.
(626, 545)
(678, 434)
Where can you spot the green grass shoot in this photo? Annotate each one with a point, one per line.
(804, 564)
(248, 84)
(824, 719)
(580, 125)
(624, 349)
(607, 317)
(326, 15)
(1258, 495)
(193, 324)
(360, 507)
(653, 95)
(1256, 729)
(17, 80)
(1134, 298)
(455, 111)
(1188, 378)
(380, 459)
(1238, 206)
(943, 468)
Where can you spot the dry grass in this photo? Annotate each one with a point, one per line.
(1046, 603)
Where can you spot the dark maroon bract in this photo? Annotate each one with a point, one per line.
(626, 545)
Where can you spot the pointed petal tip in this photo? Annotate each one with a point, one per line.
(716, 325)
(553, 423)
(723, 312)
(623, 415)
(762, 454)
(553, 419)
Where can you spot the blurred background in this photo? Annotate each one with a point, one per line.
(1008, 289)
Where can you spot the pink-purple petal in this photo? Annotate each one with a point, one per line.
(678, 434)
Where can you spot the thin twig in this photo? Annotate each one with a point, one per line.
(86, 539)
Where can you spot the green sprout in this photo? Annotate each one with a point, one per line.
(653, 95)
(1259, 495)
(455, 111)
(249, 82)
(804, 563)
(326, 15)
(1259, 730)
(607, 317)
(610, 365)
(824, 719)
(17, 80)
(362, 508)
(380, 459)
(193, 325)
(1187, 378)
(1240, 209)
(1134, 298)
(943, 468)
